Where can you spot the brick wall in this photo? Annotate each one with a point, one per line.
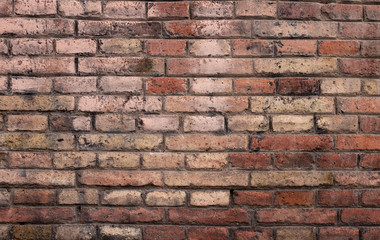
(190, 119)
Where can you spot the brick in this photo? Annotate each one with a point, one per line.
(217, 9)
(37, 26)
(209, 66)
(72, 8)
(40, 141)
(5, 199)
(295, 29)
(372, 87)
(299, 11)
(75, 46)
(169, 47)
(357, 216)
(289, 105)
(168, 10)
(207, 28)
(33, 215)
(370, 161)
(119, 178)
(31, 85)
(358, 142)
(212, 47)
(121, 84)
(122, 197)
(114, 232)
(337, 198)
(291, 179)
(36, 177)
(207, 161)
(371, 198)
(126, 10)
(359, 105)
(209, 216)
(292, 142)
(372, 12)
(6, 8)
(75, 232)
(263, 233)
(126, 29)
(294, 160)
(165, 85)
(27, 232)
(211, 179)
(3, 46)
(208, 233)
(4, 229)
(292, 123)
(204, 104)
(38, 65)
(202, 142)
(340, 85)
(339, 48)
(343, 12)
(121, 215)
(34, 196)
(301, 66)
(28, 46)
(159, 123)
(120, 46)
(370, 234)
(254, 85)
(27, 122)
(359, 30)
(305, 216)
(203, 124)
(337, 161)
(164, 233)
(336, 233)
(107, 103)
(30, 7)
(294, 198)
(30, 160)
(253, 198)
(211, 85)
(163, 160)
(357, 179)
(78, 196)
(298, 86)
(167, 198)
(70, 123)
(295, 233)
(250, 160)
(121, 65)
(75, 84)
(114, 123)
(74, 160)
(3, 159)
(371, 48)
(249, 123)
(3, 84)
(118, 160)
(338, 123)
(256, 9)
(252, 48)
(365, 67)
(296, 47)
(214, 198)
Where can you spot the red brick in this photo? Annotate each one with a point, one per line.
(252, 48)
(298, 86)
(294, 160)
(209, 216)
(371, 48)
(371, 198)
(30, 160)
(250, 160)
(164, 233)
(208, 233)
(359, 105)
(370, 161)
(126, 10)
(294, 198)
(339, 48)
(339, 233)
(292, 142)
(34, 196)
(358, 178)
(343, 12)
(372, 12)
(337, 161)
(168, 10)
(337, 198)
(165, 85)
(32, 7)
(28, 46)
(360, 30)
(254, 85)
(259, 234)
(370, 124)
(371, 234)
(295, 47)
(253, 198)
(214, 9)
(358, 142)
(121, 215)
(34, 215)
(166, 47)
(357, 216)
(297, 216)
(299, 11)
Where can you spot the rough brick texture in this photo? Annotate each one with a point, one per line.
(190, 119)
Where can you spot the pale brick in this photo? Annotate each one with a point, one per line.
(27, 122)
(28, 46)
(203, 124)
(372, 87)
(75, 232)
(114, 123)
(295, 233)
(122, 46)
(209, 47)
(256, 9)
(127, 10)
(3, 83)
(121, 84)
(45, 141)
(119, 232)
(159, 123)
(31, 85)
(249, 123)
(211, 85)
(169, 198)
(75, 46)
(32, 7)
(338, 123)
(215, 198)
(73, 8)
(163, 160)
(207, 161)
(118, 160)
(291, 179)
(78, 196)
(290, 123)
(340, 85)
(38, 177)
(122, 197)
(75, 84)
(74, 160)
(213, 9)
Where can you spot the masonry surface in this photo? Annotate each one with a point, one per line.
(217, 120)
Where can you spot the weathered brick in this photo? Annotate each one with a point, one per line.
(33, 215)
(34, 196)
(37, 65)
(291, 179)
(370, 161)
(75, 84)
(371, 233)
(370, 124)
(211, 85)
(165, 198)
(119, 232)
(5, 199)
(3, 46)
(217, 9)
(294, 198)
(296, 47)
(41, 141)
(165, 85)
(358, 142)
(298, 86)
(343, 11)
(121, 215)
(163, 160)
(368, 179)
(120, 46)
(295, 233)
(359, 30)
(252, 48)
(168, 10)
(337, 160)
(372, 86)
(214, 198)
(78, 196)
(3, 84)
(371, 48)
(372, 12)
(122, 197)
(361, 67)
(337, 232)
(206, 161)
(203, 124)
(159, 123)
(359, 105)
(299, 11)
(292, 123)
(253, 198)
(254, 85)
(75, 232)
(164, 233)
(72, 8)
(357, 216)
(30, 160)
(4, 229)
(28, 46)
(27, 122)
(119, 178)
(340, 85)
(255, 8)
(31, 85)
(250, 160)
(208, 233)
(249, 123)
(127, 10)
(294, 160)
(337, 198)
(114, 123)
(293, 216)
(371, 198)
(167, 47)
(338, 123)
(6, 8)
(210, 47)
(74, 160)
(75, 46)
(242, 234)
(28, 232)
(30, 7)
(292, 142)
(70, 123)
(118, 160)
(37, 177)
